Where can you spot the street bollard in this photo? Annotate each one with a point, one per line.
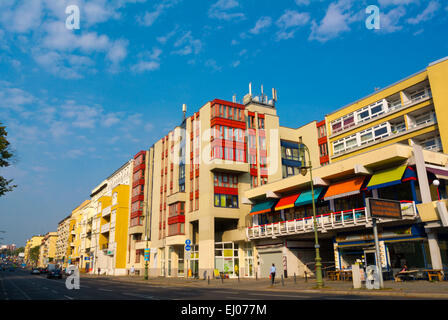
(295, 282)
(283, 282)
(238, 277)
(256, 276)
(306, 276)
(208, 279)
(222, 279)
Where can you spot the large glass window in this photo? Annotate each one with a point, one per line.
(227, 259)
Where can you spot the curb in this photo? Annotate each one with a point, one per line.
(327, 291)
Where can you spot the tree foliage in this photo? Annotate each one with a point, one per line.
(34, 254)
(5, 160)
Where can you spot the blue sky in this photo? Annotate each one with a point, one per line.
(79, 103)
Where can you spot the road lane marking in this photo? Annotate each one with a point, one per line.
(21, 291)
(54, 291)
(108, 290)
(69, 297)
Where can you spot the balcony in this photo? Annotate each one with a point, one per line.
(106, 211)
(326, 222)
(390, 110)
(105, 228)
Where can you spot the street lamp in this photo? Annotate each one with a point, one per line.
(436, 184)
(303, 171)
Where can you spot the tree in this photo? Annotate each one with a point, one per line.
(34, 254)
(5, 158)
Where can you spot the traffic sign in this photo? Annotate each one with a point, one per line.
(187, 248)
(188, 242)
(188, 255)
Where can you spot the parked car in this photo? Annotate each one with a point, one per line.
(35, 271)
(56, 273)
(43, 270)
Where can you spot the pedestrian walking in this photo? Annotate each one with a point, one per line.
(132, 270)
(273, 270)
(99, 271)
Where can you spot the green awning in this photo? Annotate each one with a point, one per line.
(386, 178)
(306, 198)
(263, 207)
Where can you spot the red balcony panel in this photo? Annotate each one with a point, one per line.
(262, 133)
(251, 114)
(261, 116)
(172, 167)
(196, 194)
(322, 140)
(320, 123)
(263, 153)
(138, 198)
(263, 172)
(191, 195)
(140, 153)
(137, 213)
(324, 159)
(253, 172)
(228, 123)
(176, 219)
(223, 190)
(138, 182)
(252, 132)
(141, 166)
(196, 173)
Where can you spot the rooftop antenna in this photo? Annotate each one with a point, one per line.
(184, 110)
(250, 88)
(234, 98)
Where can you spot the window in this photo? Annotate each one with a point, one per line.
(321, 131)
(260, 123)
(323, 149)
(226, 201)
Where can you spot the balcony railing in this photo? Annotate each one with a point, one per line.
(352, 125)
(325, 222)
(106, 211)
(105, 228)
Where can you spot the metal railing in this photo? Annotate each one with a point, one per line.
(325, 222)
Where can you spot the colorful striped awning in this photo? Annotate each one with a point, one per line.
(344, 188)
(263, 207)
(386, 178)
(306, 198)
(440, 172)
(286, 202)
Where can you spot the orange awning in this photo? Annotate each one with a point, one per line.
(287, 202)
(344, 188)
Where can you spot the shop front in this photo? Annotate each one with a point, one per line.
(399, 246)
(227, 261)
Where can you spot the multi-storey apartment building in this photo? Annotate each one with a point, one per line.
(194, 181)
(74, 237)
(388, 145)
(47, 251)
(34, 241)
(108, 222)
(62, 241)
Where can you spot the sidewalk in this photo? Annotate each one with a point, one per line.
(419, 288)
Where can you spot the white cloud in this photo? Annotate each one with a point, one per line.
(262, 23)
(149, 18)
(149, 61)
(188, 44)
(390, 20)
(212, 64)
(386, 3)
(220, 10)
(336, 21)
(289, 23)
(427, 14)
(21, 18)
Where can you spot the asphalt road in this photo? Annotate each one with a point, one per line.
(21, 285)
